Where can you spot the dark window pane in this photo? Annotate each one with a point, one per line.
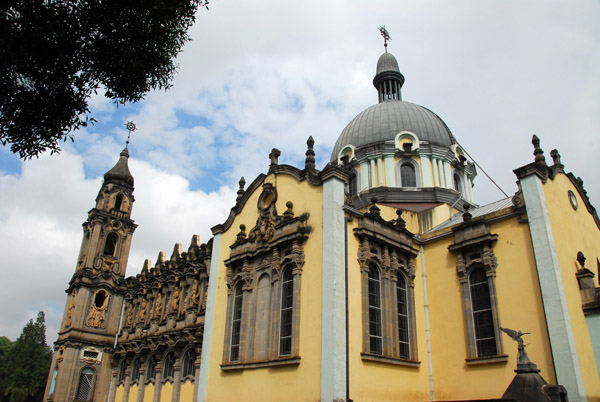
(407, 175)
(483, 318)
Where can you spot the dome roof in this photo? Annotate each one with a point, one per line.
(120, 172)
(381, 122)
(387, 62)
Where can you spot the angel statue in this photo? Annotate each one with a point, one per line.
(522, 357)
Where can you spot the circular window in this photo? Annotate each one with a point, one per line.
(573, 200)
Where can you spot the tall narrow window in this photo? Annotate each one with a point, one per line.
(457, 183)
(169, 369)
(375, 335)
(287, 307)
(53, 383)
(151, 368)
(135, 370)
(403, 329)
(483, 319)
(353, 184)
(236, 323)
(407, 175)
(188, 363)
(122, 371)
(86, 381)
(118, 202)
(111, 244)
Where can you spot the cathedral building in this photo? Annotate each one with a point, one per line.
(377, 278)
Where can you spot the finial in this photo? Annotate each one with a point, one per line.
(130, 125)
(240, 192)
(309, 162)
(581, 259)
(289, 213)
(274, 156)
(374, 208)
(400, 223)
(537, 151)
(467, 215)
(386, 36)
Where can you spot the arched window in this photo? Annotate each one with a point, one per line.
(86, 382)
(151, 368)
(118, 202)
(483, 319)
(403, 325)
(407, 175)
(457, 183)
(122, 369)
(53, 383)
(188, 363)
(287, 308)
(111, 244)
(169, 369)
(236, 323)
(375, 335)
(135, 369)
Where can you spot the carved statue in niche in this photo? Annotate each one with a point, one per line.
(97, 316)
(176, 297)
(143, 308)
(195, 293)
(129, 316)
(71, 309)
(159, 303)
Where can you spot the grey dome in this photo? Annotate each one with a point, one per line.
(381, 122)
(387, 62)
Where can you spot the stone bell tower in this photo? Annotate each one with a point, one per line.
(81, 365)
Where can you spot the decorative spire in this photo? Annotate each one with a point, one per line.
(240, 192)
(537, 151)
(309, 163)
(388, 79)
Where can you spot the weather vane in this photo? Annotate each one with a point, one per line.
(386, 36)
(131, 127)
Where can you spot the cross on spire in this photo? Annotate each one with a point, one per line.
(130, 125)
(386, 36)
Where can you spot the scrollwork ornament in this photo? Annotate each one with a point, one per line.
(364, 253)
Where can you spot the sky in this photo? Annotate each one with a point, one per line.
(268, 74)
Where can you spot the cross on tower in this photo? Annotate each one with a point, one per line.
(386, 36)
(130, 125)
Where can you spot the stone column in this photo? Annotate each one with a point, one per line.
(372, 179)
(197, 374)
(177, 378)
(436, 172)
(379, 172)
(113, 385)
(426, 172)
(142, 382)
(388, 162)
(333, 324)
(127, 383)
(364, 175)
(158, 381)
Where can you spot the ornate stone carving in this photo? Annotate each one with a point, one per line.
(71, 309)
(97, 316)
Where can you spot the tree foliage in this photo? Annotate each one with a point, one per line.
(24, 364)
(54, 54)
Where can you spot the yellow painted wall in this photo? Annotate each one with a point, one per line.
(187, 392)
(149, 392)
(519, 307)
(374, 381)
(119, 393)
(275, 383)
(575, 230)
(166, 392)
(133, 393)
